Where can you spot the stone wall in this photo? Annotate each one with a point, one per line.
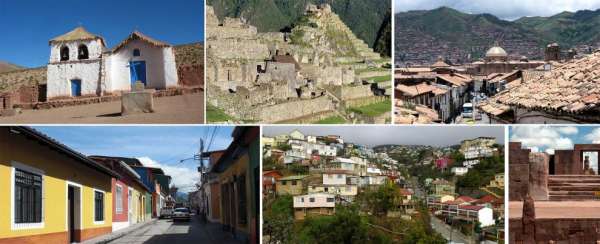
(538, 176)
(563, 164)
(281, 71)
(350, 92)
(518, 160)
(191, 75)
(252, 49)
(294, 109)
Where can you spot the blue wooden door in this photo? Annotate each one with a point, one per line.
(138, 71)
(75, 88)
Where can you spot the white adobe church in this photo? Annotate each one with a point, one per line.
(81, 65)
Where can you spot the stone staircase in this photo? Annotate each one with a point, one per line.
(573, 187)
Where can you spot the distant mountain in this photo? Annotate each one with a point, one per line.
(6, 67)
(566, 28)
(422, 36)
(364, 18)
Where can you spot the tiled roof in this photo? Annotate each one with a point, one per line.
(419, 115)
(571, 87)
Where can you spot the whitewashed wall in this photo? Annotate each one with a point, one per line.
(171, 77)
(61, 74)
(119, 75)
(94, 50)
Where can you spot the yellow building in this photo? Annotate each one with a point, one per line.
(50, 193)
(291, 185)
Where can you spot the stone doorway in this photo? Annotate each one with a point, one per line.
(590, 162)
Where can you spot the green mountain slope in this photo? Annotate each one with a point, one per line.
(364, 18)
(422, 36)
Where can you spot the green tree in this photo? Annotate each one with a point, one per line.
(345, 226)
(381, 200)
(279, 220)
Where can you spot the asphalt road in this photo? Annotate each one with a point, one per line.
(447, 232)
(167, 231)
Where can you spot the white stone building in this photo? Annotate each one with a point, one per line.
(81, 65)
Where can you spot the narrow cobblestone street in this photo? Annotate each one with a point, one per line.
(167, 231)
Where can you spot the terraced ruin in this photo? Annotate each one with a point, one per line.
(319, 71)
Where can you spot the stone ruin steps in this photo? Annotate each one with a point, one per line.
(573, 187)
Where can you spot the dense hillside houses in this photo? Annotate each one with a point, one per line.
(103, 194)
(318, 70)
(323, 178)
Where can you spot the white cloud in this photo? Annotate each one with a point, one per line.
(544, 138)
(594, 136)
(506, 9)
(182, 177)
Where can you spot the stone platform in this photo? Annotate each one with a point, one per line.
(573, 187)
(558, 210)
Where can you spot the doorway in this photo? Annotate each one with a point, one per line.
(75, 88)
(138, 71)
(590, 162)
(74, 213)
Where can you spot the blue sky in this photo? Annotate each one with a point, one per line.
(544, 138)
(26, 26)
(156, 146)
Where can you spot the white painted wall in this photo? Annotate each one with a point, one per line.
(320, 200)
(61, 74)
(161, 71)
(94, 49)
(486, 217)
(334, 179)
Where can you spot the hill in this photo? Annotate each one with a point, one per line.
(364, 18)
(423, 36)
(7, 67)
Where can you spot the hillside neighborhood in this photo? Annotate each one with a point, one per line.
(404, 194)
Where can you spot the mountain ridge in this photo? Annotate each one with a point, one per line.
(463, 37)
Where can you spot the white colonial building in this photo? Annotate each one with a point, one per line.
(81, 65)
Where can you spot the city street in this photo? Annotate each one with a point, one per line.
(454, 236)
(167, 231)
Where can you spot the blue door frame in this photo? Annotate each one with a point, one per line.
(75, 88)
(138, 71)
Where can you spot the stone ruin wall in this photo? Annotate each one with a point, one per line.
(294, 109)
(232, 49)
(281, 71)
(538, 176)
(229, 74)
(191, 75)
(518, 171)
(351, 92)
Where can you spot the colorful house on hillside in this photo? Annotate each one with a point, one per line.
(130, 195)
(50, 193)
(238, 177)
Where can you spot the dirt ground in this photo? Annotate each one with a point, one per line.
(184, 109)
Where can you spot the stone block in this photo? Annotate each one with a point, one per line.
(538, 176)
(137, 102)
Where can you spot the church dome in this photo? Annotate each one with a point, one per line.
(496, 51)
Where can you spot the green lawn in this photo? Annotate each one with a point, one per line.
(377, 79)
(214, 114)
(332, 120)
(374, 109)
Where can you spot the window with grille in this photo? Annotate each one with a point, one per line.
(98, 206)
(28, 197)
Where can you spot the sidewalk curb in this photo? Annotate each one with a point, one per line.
(118, 234)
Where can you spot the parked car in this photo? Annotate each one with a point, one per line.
(165, 213)
(181, 214)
